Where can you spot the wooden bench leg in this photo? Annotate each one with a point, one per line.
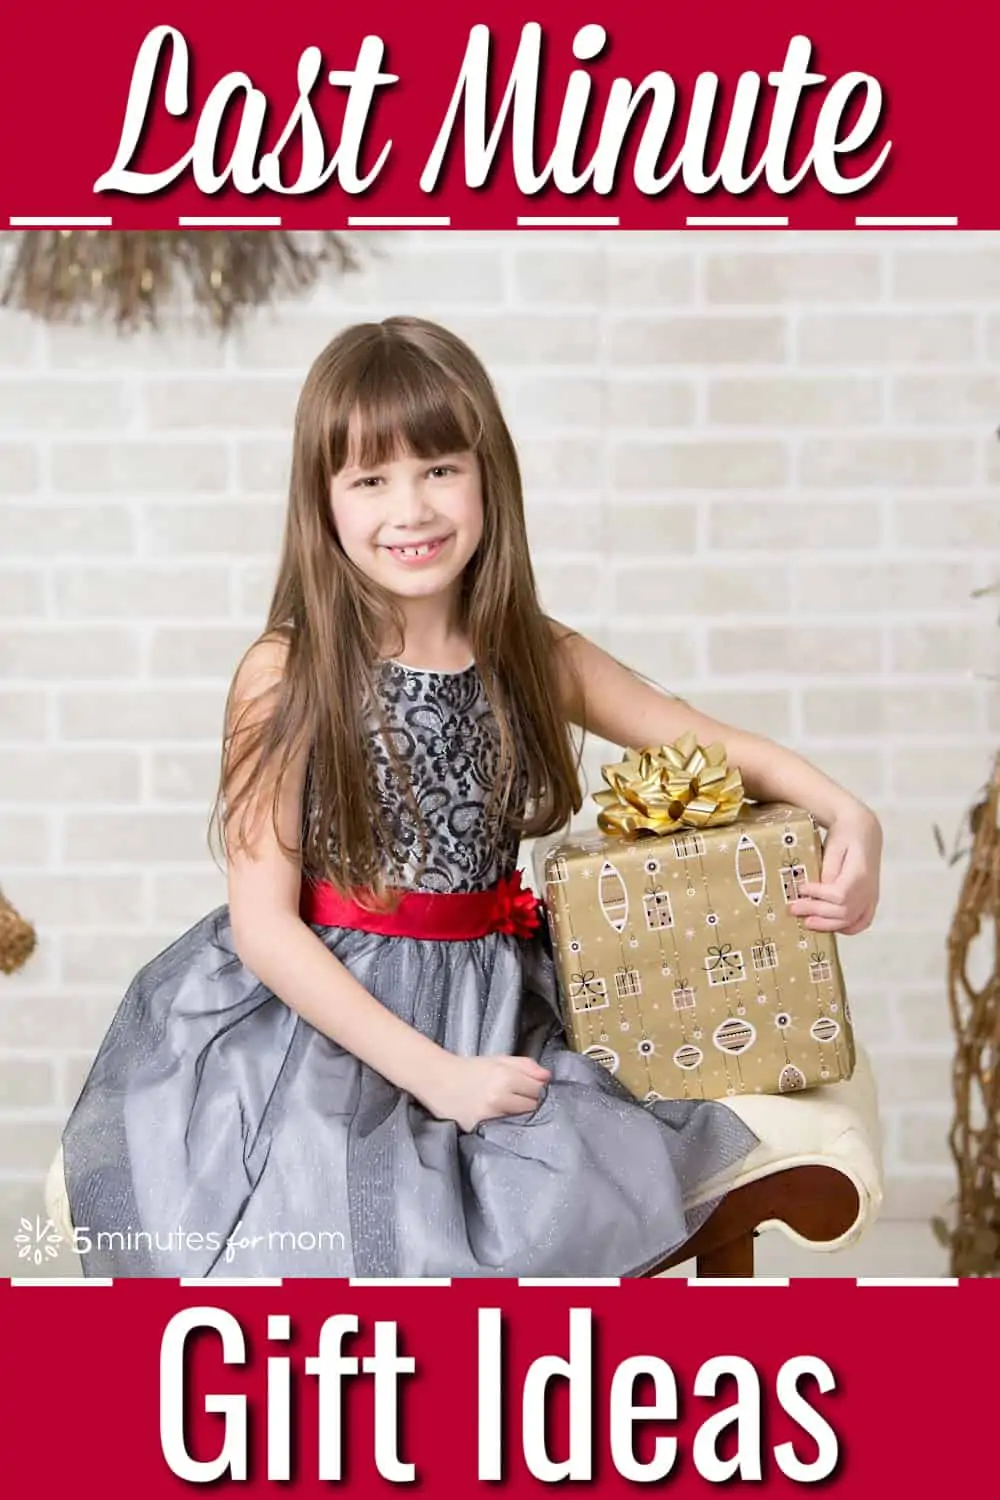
(733, 1259)
(819, 1203)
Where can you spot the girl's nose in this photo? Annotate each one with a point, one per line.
(410, 505)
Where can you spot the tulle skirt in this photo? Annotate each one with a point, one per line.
(219, 1134)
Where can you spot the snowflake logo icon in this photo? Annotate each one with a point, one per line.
(38, 1241)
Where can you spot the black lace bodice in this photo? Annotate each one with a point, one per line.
(444, 730)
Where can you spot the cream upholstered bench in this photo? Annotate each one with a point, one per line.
(56, 1201)
(817, 1175)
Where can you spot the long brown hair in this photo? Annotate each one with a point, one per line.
(401, 386)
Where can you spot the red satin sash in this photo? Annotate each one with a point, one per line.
(451, 916)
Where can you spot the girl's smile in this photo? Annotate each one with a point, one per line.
(417, 554)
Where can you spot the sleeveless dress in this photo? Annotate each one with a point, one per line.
(220, 1134)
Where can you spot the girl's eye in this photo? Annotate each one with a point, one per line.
(443, 469)
(368, 481)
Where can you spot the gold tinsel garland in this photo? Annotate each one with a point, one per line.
(973, 1236)
(127, 276)
(17, 938)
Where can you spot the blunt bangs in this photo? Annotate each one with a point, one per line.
(396, 400)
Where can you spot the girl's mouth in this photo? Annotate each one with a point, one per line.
(413, 556)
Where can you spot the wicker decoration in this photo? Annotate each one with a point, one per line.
(127, 276)
(17, 938)
(973, 1236)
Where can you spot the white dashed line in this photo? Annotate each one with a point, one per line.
(399, 1281)
(738, 1281)
(66, 222)
(897, 221)
(397, 221)
(907, 1281)
(736, 221)
(569, 1281)
(228, 221)
(568, 221)
(62, 1281)
(230, 1281)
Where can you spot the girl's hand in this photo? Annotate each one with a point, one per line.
(471, 1089)
(846, 895)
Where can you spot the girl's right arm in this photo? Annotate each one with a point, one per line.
(277, 946)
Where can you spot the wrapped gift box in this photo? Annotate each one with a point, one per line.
(680, 966)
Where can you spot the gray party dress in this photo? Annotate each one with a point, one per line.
(220, 1134)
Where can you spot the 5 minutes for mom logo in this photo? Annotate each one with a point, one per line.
(38, 1241)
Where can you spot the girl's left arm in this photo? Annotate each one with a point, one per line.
(605, 698)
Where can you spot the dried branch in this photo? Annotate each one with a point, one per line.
(974, 1139)
(17, 938)
(128, 276)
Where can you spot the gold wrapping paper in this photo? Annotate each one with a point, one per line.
(680, 966)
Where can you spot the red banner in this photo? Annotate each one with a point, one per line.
(864, 1387)
(819, 116)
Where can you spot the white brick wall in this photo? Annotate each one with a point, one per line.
(761, 467)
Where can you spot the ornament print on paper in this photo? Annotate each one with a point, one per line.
(683, 948)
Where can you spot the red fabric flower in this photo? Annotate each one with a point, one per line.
(515, 910)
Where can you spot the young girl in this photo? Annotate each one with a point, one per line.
(356, 1066)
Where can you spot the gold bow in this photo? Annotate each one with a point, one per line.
(659, 790)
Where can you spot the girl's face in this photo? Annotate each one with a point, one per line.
(410, 524)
